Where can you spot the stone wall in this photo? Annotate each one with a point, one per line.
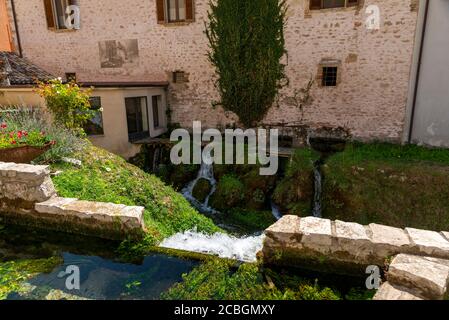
(321, 243)
(370, 98)
(28, 197)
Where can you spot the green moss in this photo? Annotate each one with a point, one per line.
(109, 178)
(14, 273)
(250, 220)
(230, 193)
(221, 280)
(202, 190)
(294, 192)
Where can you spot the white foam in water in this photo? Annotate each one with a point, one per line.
(219, 244)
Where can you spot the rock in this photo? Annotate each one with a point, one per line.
(388, 241)
(93, 217)
(390, 292)
(353, 241)
(75, 162)
(427, 277)
(445, 235)
(284, 230)
(428, 242)
(316, 234)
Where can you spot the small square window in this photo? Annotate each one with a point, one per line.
(330, 76)
(179, 77)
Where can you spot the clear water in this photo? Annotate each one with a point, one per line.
(317, 206)
(102, 274)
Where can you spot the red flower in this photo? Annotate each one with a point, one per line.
(3, 125)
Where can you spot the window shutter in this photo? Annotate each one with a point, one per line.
(190, 11)
(48, 5)
(315, 4)
(160, 11)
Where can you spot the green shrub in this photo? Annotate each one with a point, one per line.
(67, 102)
(229, 193)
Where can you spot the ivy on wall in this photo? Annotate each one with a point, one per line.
(247, 44)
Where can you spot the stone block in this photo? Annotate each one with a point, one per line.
(390, 292)
(428, 243)
(427, 277)
(284, 230)
(316, 234)
(388, 241)
(352, 242)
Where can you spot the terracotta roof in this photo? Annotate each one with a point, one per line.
(15, 70)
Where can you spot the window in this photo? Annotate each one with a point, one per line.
(172, 11)
(137, 118)
(156, 114)
(56, 13)
(94, 126)
(326, 4)
(70, 76)
(329, 76)
(179, 77)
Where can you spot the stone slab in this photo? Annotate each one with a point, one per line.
(428, 243)
(316, 233)
(388, 241)
(100, 214)
(427, 277)
(353, 242)
(390, 292)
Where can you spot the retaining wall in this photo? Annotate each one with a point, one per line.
(28, 197)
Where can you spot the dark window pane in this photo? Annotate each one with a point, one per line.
(136, 117)
(333, 3)
(94, 126)
(329, 76)
(156, 121)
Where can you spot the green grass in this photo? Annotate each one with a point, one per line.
(402, 186)
(109, 178)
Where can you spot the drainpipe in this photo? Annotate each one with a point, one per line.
(16, 26)
(418, 71)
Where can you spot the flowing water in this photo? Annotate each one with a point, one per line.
(318, 180)
(276, 211)
(206, 172)
(218, 244)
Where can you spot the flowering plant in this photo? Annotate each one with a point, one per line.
(68, 103)
(19, 138)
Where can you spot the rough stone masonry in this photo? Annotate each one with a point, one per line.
(374, 65)
(28, 197)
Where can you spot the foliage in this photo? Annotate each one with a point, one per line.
(250, 220)
(247, 44)
(14, 273)
(109, 178)
(36, 122)
(221, 280)
(67, 102)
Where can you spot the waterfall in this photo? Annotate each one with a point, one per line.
(156, 159)
(316, 211)
(276, 211)
(206, 172)
(219, 244)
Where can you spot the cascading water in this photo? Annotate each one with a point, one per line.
(318, 179)
(219, 244)
(276, 211)
(156, 159)
(206, 172)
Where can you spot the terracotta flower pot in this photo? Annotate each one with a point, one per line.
(23, 154)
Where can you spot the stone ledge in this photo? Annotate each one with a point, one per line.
(108, 217)
(424, 276)
(391, 292)
(302, 240)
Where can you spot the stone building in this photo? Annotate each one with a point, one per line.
(358, 52)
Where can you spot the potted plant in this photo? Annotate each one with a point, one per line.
(21, 146)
